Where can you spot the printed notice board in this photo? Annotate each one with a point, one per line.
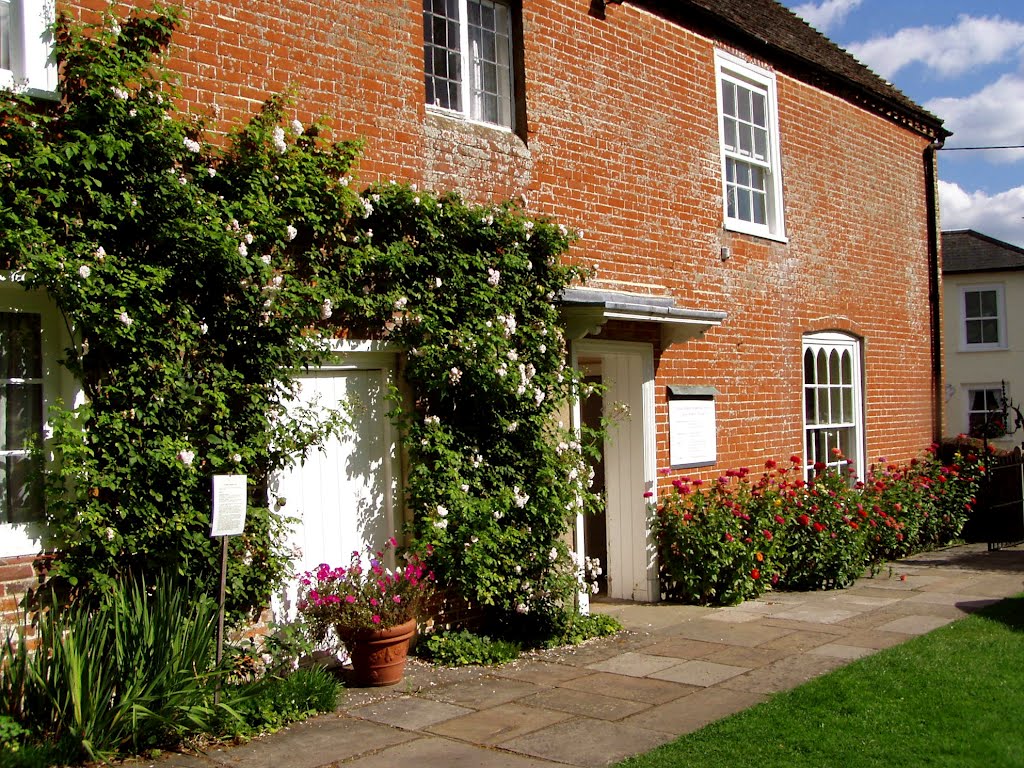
(692, 431)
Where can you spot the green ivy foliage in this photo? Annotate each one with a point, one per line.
(198, 278)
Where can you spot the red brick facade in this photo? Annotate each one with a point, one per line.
(621, 141)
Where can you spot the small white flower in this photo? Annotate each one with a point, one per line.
(493, 276)
(133, 112)
(186, 457)
(512, 427)
(212, 172)
(191, 144)
(345, 180)
(183, 180)
(278, 139)
(121, 93)
(110, 534)
(416, 200)
(442, 524)
(498, 514)
(442, 511)
(84, 271)
(432, 421)
(235, 225)
(522, 608)
(367, 208)
(265, 258)
(237, 458)
(553, 554)
(85, 347)
(203, 328)
(326, 309)
(296, 127)
(454, 375)
(124, 319)
(401, 302)
(242, 250)
(464, 488)
(520, 498)
(248, 238)
(115, 29)
(292, 232)
(437, 282)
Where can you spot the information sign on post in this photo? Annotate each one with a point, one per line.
(228, 519)
(229, 501)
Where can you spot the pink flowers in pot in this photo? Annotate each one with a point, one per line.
(358, 597)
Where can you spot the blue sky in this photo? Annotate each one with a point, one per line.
(964, 61)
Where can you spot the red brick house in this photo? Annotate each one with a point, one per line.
(759, 207)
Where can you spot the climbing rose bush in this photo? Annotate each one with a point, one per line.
(197, 276)
(732, 539)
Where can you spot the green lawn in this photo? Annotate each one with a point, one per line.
(953, 697)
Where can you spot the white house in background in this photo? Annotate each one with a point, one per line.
(983, 296)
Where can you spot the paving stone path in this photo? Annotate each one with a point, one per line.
(674, 670)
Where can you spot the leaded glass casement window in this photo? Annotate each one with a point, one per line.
(833, 428)
(467, 59)
(26, 45)
(749, 137)
(21, 416)
(984, 323)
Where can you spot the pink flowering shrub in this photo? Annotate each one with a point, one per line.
(732, 539)
(355, 598)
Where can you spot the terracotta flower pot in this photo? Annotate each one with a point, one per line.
(378, 655)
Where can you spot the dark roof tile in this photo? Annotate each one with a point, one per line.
(964, 250)
(789, 42)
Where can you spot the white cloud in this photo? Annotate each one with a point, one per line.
(1000, 215)
(824, 15)
(994, 116)
(948, 51)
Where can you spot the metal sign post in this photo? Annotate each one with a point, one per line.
(228, 519)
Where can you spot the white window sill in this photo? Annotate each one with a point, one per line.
(462, 118)
(982, 348)
(20, 539)
(755, 230)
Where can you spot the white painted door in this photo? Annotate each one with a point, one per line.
(627, 373)
(343, 496)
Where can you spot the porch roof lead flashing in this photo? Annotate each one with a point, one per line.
(586, 310)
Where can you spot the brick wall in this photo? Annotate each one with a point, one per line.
(621, 142)
(18, 575)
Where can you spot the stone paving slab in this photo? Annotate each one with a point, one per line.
(431, 752)
(633, 664)
(640, 689)
(685, 648)
(842, 651)
(739, 656)
(315, 742)
(588, 743)
(541, 672)
(746, 634)
(875, 639)
(916, 625)
(487, 692)
(817, 614)
(500, 723)
(587, 704)
(801, 640)
(409, 712)
(783, 675)
(699, 672)
(695, 711)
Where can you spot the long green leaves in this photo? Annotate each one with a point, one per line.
(131, 673)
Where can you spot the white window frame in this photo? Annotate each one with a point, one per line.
(32, 66)
(470, 70)
(970, 389)
(842, 344)
(998, 288)
(30, 538)
(731, 69)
